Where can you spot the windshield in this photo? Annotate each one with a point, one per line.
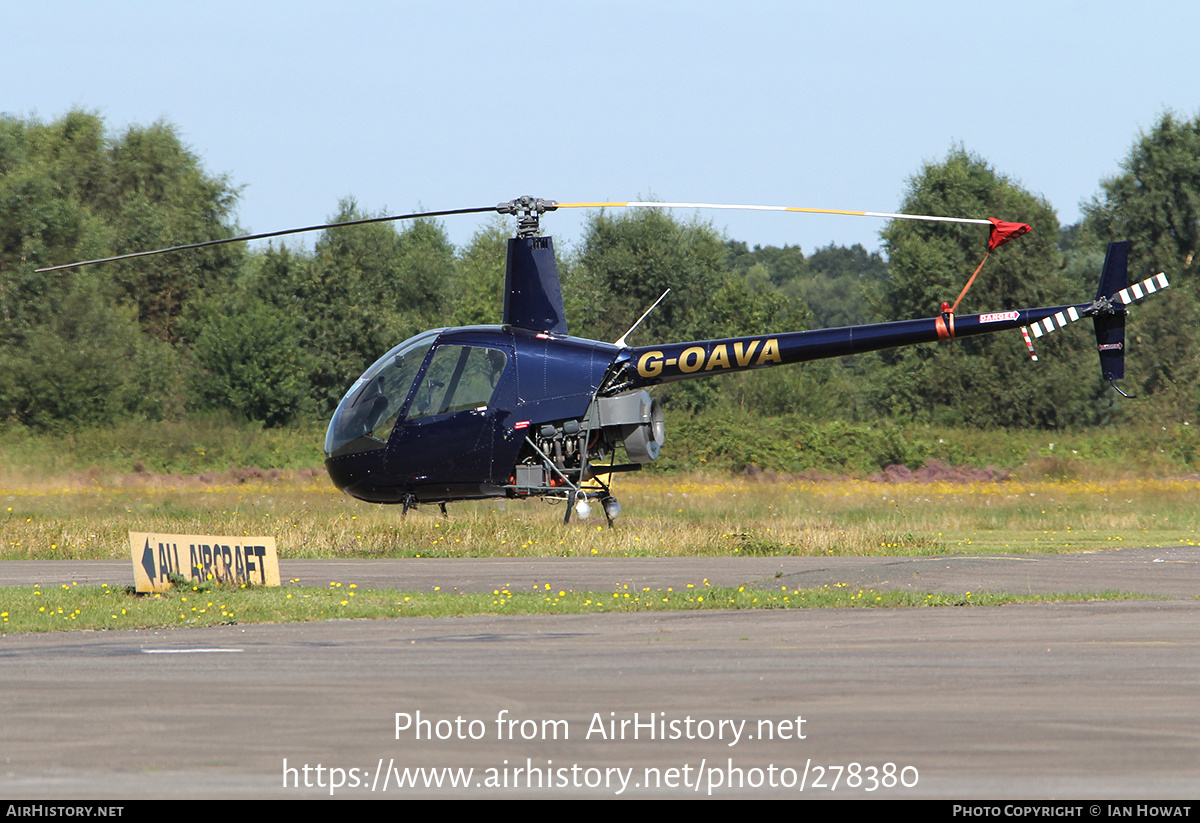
(367, 413)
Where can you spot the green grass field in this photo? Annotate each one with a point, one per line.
(691, 515)
(51, 508)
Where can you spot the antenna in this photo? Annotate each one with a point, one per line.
(621, 342)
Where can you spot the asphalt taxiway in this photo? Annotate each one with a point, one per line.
(1092, 700)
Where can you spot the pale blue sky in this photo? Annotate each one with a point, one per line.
(457, 104)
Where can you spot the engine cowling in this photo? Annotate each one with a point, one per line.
(634, 418)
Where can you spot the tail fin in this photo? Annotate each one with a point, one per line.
(1110, 325)
(1107, 311)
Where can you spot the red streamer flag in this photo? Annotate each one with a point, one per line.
(1003, 231)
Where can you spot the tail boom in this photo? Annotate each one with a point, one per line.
(651, 365)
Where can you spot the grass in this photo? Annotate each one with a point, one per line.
(194, 446)
(79, 499)
(74, 607)
(689, 515)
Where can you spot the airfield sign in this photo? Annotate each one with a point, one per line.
(202, 558)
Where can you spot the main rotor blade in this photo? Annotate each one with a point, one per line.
(265, 235)
(656, 205)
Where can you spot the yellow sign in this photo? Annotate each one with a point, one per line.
(202, 557)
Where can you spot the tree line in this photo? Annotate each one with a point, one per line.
(278, 334)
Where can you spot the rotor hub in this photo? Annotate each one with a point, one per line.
(529, 210)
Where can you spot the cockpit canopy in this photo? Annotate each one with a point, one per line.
(454, 378)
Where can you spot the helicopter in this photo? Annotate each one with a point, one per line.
(524, 410)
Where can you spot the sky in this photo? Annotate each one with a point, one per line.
(410, 106)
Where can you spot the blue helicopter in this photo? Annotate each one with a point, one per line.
(525, 410)
(522, 409)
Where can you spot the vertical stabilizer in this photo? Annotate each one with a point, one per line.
(1116, 265)
(1110, 325)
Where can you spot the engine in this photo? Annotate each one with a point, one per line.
(556, 455)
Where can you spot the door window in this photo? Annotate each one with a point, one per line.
(458, 378)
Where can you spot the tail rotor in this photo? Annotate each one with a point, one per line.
(1107, 311)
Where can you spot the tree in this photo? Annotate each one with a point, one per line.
(840, 285)
(982, 381)
(86, 364)
(479, 281)
(250, 357)
(365, 289)
(73, 343)
(629, 260)
(782, 265)
(46, 172)
(155, 194)
(1155, 204)
(70, 192)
